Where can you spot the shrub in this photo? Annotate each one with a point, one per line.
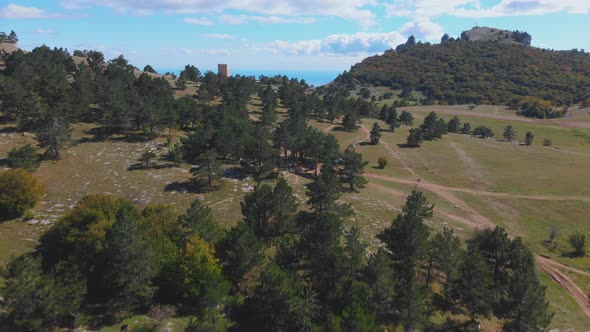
(578, 243)
(382, 162)
(529, 138)
(483, 132)
(25, 157)
(547, 142)
(19, 191)
(146, 158)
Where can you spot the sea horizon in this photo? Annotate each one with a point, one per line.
(311, 77)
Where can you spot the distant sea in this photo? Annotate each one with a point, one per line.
(316, 78)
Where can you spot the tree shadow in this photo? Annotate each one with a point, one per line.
(571, 254)
(406, 146)
(9, 130)
(365, 143)
(140, 166)
(195, 187)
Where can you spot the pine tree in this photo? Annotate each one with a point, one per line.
(473, 284)
(415, 138)
(406, 118)
(324, 191)
(466, 130)
(269, 105)
(375, 134)
(392, 119)
(240, 250)
(198, 219)
(351, 120)
(529, 138)
(132, 264)
(509, 133)
(208, 168)
(352, 169)
(454, 125)
(407, 241)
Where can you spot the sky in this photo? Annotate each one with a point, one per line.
(286, 35)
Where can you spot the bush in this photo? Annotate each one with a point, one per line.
(19, 191)
(382, 162)
(483, 132)
(146, 158)
(547, 142)
(578, 243)
(529, 138)
(25, 157)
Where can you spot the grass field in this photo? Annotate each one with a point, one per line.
(531, 179)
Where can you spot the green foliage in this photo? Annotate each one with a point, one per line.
(269, 211)
(132, 263)
(207, 169)
(483, 132)
(239, 251)
(407, 241)
(454, 125)
(541, 109)
(149, 69)
(281, 302)
(406, 118)
(375, 133)
(547, 142)
(324, 191)
(198, 220)
(578, 242)
(25, 157)
(509, 133)
(203, 284)
(381, 162)
(433, 127)
(190, 73)
(466, 130)
(415, 138)
(352, 168)
(481, 72)
(36, 299)
(19, 191)
(529, 138)
(146, 158)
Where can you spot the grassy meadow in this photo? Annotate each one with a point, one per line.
(524, 175)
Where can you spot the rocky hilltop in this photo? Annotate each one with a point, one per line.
(8, 42)
(492, 34)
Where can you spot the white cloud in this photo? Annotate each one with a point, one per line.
(474, 9)
(340, 44)
(217, 36)
(12, 11)
(423, 28)
(243, 19)
(348, 9)
(45, 31)
(198, 21)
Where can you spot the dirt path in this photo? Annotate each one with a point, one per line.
(551, 122)
(329, 128)
(436, 187)
(577, 293)
(479, 221)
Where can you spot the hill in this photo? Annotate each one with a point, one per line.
(481, 72)
(497, 35)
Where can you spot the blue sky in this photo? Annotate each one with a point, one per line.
(287, 35)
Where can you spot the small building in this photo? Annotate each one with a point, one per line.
(223, 70)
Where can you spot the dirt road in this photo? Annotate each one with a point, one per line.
(478, 221)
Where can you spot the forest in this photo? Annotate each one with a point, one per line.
(462, 72)
(285, 266)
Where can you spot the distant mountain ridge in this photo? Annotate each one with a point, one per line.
(484, 65)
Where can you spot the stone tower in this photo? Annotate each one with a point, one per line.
(223, 70)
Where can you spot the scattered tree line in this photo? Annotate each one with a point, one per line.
(281, 267)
